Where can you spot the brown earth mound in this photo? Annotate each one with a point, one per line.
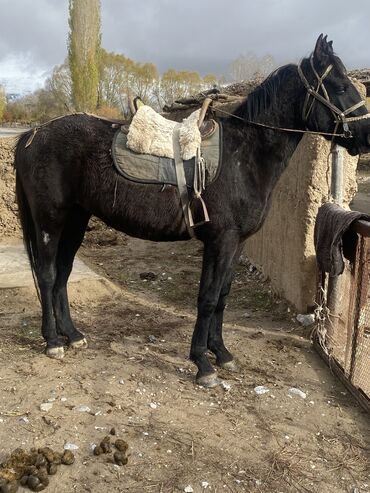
(9, 226)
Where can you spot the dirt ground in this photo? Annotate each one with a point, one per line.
(135, 376)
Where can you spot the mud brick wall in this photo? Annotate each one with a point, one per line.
(284, 249)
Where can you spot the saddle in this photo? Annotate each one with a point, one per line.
(207, 129)
(150, 133)
(156, 150)
(150, 169)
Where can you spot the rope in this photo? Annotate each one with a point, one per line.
(103, 118)
(322, 315)
(282, 129)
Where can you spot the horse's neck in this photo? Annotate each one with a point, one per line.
(263, 154)
(285, 112)
(278, 153)
(271, 145)
(274, 148)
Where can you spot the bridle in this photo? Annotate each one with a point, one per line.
(340, 116)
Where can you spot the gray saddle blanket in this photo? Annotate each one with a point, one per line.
(144, 168)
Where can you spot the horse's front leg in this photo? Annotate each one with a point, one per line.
(217, 266)
(224, 359)
(216, 345)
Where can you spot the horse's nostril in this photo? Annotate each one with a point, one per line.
(368, 139)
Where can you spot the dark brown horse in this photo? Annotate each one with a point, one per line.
(66, 175)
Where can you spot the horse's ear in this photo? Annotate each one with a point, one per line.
(323, 50)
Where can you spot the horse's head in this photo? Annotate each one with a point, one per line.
(332, 102)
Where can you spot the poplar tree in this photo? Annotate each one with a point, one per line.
(84, 52)
(2, 102)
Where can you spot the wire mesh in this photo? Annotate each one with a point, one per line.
(359, 371)
(347, 324)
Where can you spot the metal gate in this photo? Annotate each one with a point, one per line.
(343, 312)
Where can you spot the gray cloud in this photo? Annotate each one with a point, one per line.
(201, 35)
(37, 28)
(193, 34)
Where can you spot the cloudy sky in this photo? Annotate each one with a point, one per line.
(202, 35)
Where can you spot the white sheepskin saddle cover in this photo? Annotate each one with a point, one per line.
(151, 133)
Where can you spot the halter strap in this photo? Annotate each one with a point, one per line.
(340, 116)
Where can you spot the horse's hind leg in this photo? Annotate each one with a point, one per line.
(69, 243)
(45, 271)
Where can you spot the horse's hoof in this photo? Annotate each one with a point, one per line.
(80, 344)
(208, 381)
(230, 366)
(55, 352)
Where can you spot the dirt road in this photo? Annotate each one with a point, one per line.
(11, 131)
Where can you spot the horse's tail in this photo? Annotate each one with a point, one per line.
(24, 210)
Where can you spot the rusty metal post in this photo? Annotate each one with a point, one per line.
(337, 175)
(335, 282)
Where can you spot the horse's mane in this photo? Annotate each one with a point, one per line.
(265, 94)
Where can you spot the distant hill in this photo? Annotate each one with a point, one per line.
(13, 96)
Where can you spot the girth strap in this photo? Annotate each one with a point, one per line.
(198, 184)
(181, 182)
(198, 187)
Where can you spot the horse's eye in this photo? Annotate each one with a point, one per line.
(341, 90)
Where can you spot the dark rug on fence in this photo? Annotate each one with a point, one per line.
(334, 238)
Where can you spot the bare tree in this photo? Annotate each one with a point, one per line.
(60, 85)
(249, 66)
(2, 102)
